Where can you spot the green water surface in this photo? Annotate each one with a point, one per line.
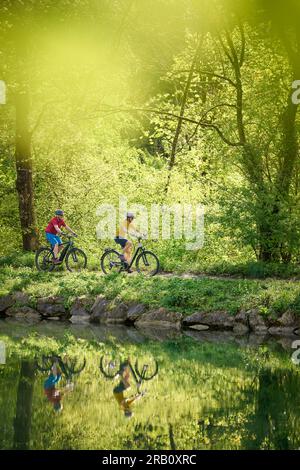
(212, 391)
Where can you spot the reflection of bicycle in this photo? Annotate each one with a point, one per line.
(145, 261)
(75, 258)
(111, 368)
(69, 367)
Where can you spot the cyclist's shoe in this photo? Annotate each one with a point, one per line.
(127, 268)
(56, 261)
(124, 264)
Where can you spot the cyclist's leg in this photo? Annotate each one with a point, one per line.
(58, 246)
(122, 242)
(55, 242)
(52, 240)
(55, 250)
(127, 251)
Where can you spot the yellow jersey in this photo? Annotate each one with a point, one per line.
(125, 229)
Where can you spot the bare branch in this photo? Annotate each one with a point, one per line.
(40, 117)
(220, 133)
(221, 105)
(226, 51)
(204, 125)
(216, 75)
(232, 48)
(243, 44)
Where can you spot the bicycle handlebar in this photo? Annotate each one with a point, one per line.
(68, 235)
(139, 237)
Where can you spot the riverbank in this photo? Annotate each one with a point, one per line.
(239, 305)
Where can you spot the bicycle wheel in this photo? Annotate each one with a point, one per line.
(146, 368)
(44, 259)
(147, 263)
(110, 262)
(47, 363)
(74, 367)
(110, 365)
(76, 260)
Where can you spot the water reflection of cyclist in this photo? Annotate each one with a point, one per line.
(124, 385)
(53, 393)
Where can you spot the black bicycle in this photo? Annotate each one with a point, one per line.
(111, 367)
(146, 262)
(74, 257)
(68, 366)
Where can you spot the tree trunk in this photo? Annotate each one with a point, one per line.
(24, 183)
(267, 249)
(171, 437)
(22, 421)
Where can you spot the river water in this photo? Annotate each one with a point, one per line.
(209, 390)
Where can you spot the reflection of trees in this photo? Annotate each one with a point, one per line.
(264, 416)
(200, 401)
(171, 437)
(274, 424)
(147, 436)
(22, 421)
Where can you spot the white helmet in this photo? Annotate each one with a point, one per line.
(130, 215)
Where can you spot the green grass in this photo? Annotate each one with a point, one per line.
(183, 261)
(270, 296)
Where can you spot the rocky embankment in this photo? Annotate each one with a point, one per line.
(99, 310)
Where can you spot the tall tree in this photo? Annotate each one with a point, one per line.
(23, 152)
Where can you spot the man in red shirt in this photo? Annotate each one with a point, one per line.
(53, 231)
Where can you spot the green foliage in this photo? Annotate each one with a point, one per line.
(104, 119)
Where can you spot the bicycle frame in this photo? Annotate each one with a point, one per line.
(139, 249)
(67, 370)
(138, 380)
(67, 245)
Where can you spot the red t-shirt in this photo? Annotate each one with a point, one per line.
(55, 221)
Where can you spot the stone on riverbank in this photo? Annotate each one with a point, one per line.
(199, 327)
(289, 319)
(21, 298)
(51, 307)
(116, 313)
(23, 313)
(6, 301)
(160, 317)
(256, 322)
(214, 320)
(99, 307)
(79, 312)
(135, 311)
(104, 311)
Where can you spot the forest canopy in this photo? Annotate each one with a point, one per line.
(168, 101)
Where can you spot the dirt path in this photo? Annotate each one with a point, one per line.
(225, 277)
